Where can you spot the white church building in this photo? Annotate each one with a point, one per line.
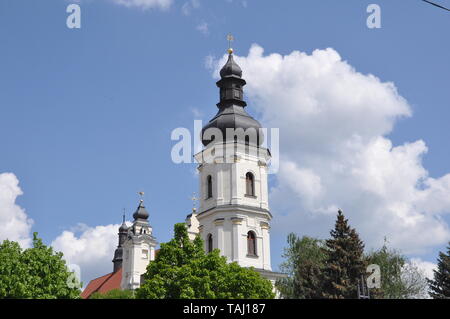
(233, 214)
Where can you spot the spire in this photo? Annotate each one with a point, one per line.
(118, 253)
(123, 228)
(231, 112)
(231, 83)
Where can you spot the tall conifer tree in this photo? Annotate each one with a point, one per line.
(440, 285)
(345, 263)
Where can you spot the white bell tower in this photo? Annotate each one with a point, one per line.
(234, 211)
(138, 249)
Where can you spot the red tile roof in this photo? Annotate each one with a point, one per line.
(103, 284)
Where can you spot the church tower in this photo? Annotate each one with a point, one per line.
(234, 211)
(138, 249)
(118, 253)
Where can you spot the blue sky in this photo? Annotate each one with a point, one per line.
(86, 114)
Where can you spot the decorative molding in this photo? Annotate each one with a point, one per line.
(236, 220)
(264, 225)
(200, 228)
(219, 221)
(234, 207)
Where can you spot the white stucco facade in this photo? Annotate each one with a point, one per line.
(231, 213)
(138, 251)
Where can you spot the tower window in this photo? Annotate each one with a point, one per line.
(210, 243)
(249, 184)
(208, 187)
(251, 243)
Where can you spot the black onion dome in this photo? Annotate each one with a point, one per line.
(230, 68)
(233, 117)
(141, 212)
(231, 112)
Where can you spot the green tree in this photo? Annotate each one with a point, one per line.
(36, 272)
(304, 263)
(344, 264)
(440, 285)
(113, 294)
(183, 270)
(400, 278)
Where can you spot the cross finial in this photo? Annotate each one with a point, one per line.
(142, 196)
(194, 201)
(230, 39)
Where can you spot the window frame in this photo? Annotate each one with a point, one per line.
(209, 243)
(251, 244)
(250, 184)
(209, 190)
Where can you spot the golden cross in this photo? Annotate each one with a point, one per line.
(230, 39)
(142, 196)
(194, 200)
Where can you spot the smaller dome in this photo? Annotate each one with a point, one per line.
(230, 68)
(141, 212)
(123, 228)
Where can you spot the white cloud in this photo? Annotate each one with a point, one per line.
(335, 151)
(15, 225)
(197, 113)
(190, 5)
(203, 28)
(145, 4)
(425, 266)
(91, 248)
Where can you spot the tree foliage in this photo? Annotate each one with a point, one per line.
(332, 269)
(182, 270)
(440, 284)
(305, 259)
(344, 264)
(400, 278)
(36, 272)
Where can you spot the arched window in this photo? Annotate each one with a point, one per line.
(251, 244)
(208, 187)
(209, 242)
(249, 184)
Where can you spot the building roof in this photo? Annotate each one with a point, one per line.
(231, 114)
(141, 212)
(103, 284)
(230, 68)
